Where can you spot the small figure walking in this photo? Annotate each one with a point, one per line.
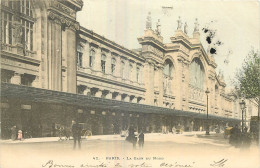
(20, 135)
(134, 141)
(76, 132)
(13, 132)
(141, 139)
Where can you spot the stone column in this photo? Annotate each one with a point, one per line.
(118, 66)
(134, 72)
(16, 79)
(179, 94)
(71, 60)
(127, 69)
(97, 64)
(54, 54)
(160, 85)
(149, 82)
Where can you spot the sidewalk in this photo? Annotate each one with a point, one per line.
(100, 137)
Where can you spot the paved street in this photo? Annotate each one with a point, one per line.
(160, 150)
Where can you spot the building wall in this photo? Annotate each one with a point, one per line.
(60, 60)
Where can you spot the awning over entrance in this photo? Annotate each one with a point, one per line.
(11, 91)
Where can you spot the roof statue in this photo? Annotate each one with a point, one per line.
(158, 27)
(186, 28)
(179, 23)
(196, 28)
(149, 21)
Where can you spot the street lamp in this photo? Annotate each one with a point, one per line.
(242, 106)
(207, 128)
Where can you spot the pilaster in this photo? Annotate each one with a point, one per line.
(97, 64)
(149, 82)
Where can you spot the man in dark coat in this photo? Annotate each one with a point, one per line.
(14, 133)
(141, 139)
(76, 133)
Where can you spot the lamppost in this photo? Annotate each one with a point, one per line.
(207, 128)
(242, 106)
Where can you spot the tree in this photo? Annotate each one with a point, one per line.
(247, 78)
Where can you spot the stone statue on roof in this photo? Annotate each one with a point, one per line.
(179, 23)
(186, 28)
(158, 27)
(196, 27)
(149, 21)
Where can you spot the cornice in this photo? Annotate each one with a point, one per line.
(108, 42)
(63, 20)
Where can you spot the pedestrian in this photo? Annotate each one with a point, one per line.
(14, 132)
(67, 133)
(76, 132)
(141, 139)
(61, 129)
(134, 140)
(235, 137)
(20, 135)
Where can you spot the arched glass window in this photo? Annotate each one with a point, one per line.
(167, 80)
(168, 67)
(113, 65)
(103, 63)
(91, 58)
(197, 73)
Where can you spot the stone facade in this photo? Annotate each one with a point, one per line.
(52, 51)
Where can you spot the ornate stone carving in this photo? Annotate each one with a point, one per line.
(62, 8)
(63, 20)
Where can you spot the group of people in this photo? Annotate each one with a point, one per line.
(133, 136)
(238, 138)
(16, 134)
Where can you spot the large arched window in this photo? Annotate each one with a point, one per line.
(91, 58)
(167, 76)
(197, 73)
(17, 29)
(168, 67)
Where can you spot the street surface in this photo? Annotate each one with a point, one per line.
(160, 150)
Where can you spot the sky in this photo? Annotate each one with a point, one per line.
(235, 23)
